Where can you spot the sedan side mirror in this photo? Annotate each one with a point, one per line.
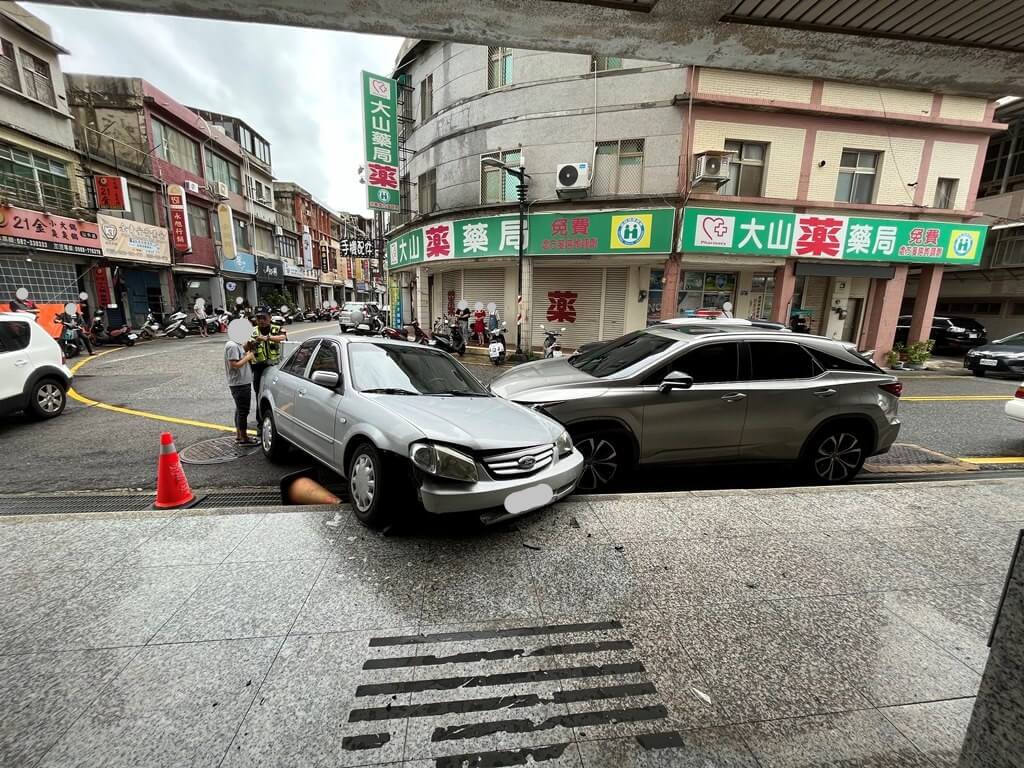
(675, 380)
(328, 379)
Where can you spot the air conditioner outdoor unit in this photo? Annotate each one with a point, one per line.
(572, 179)
(711, 167)
(191, 186)
(278, 231)
(219, 190)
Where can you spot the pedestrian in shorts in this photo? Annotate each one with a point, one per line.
(237, 369)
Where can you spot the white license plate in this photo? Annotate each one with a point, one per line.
(495, 349)
(133, 336)
(990, 362)
(529, 499)
(556, 353)
(972, 335)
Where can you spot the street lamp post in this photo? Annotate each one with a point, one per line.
(521, 176)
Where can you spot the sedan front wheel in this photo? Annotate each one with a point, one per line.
(366, 484)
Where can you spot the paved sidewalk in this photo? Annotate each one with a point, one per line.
(775, 628)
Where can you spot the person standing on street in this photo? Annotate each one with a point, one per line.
(237, 369)
(200, 310)
(266, 347)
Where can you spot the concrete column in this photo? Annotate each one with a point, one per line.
(785, 284)
(885, 313)
(928, 286)
(670, 290)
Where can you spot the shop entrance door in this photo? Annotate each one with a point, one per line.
(854, 310)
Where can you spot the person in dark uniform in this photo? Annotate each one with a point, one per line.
(266, 351)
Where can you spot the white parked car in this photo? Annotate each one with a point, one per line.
(1015, 408)
(33, 377)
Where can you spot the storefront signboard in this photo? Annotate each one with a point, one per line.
(827, 236)
(41, 232)
(269, 269)
(380, 141)
(127, 240)
(181, 237)
(563, 233)
(112, 193)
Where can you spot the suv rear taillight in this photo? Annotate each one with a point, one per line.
(1020, 392)
(894, 388)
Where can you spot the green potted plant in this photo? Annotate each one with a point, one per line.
(894, 357)
(918, 353)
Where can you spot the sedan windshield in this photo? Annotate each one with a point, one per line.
(620, 354)
(1017, 338)
(410, 370)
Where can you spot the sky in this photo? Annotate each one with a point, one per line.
(299, 88)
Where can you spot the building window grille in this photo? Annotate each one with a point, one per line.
(619, 167)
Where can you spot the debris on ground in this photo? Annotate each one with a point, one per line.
(531, 545)
(701, 695)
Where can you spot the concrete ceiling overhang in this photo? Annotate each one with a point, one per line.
(973, 47)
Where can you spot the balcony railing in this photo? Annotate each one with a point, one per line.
(38, 195)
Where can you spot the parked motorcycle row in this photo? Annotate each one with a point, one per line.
(446, 335)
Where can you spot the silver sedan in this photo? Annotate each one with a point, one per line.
(404, 422)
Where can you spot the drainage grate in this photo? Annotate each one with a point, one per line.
(76, 503)
(906, 457)
(217, 450)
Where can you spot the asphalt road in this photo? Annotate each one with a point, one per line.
(89, 448)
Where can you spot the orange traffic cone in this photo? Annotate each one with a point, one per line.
(172, 491)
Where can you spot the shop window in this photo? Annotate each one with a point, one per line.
(857, 171)
(220, 169)
(746, 168)
(142, 205)
(599, 63)
(8, 66)
(497, 186)
(499, 66)
(705, 290)
(175, 147)
(426, 98)
(426, 189)
(38, 83)
(34, 180)
(762, 295)
(945, 193)
(198, 221)
(618, 167)
(655, 294)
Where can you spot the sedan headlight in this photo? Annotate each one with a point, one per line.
(563, 444)
(443, 462)
(956, 329)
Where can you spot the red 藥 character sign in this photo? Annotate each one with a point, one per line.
(562, 306)
(439, 241)
(819, 236)
(384, 176)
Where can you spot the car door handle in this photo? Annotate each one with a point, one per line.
(823, 393)
(20, 363)
(342, 420)
(302, 393)
(275, 380)
(735, 397)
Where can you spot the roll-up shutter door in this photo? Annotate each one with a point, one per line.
(486, 285)
(614, 302)
(586, 283)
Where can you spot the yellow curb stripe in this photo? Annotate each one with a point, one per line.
(993, 459)
(133, 412)
(952, 398)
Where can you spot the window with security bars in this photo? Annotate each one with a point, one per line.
(497, 186)
(945, 193)
(618, 167)
(746, 168)
(857, 172)
(38, 83)
(8, 66)
(46, 281)
(499, 66)
(34, 180)
(426, 98)
(426, 189)
(600, 63)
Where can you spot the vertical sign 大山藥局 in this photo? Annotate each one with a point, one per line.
(380, 141)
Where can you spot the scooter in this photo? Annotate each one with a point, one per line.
(453, 343)
(70, 341)
(176, 325)
(103, 335)
(496, 348)
(151, 328)
(552, 346)
(223, 317)
(367, 324)
(419, 337)
(212, 324)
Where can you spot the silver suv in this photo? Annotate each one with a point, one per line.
(714, 393)
(404, 422)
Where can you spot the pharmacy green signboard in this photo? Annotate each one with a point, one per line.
(380, 140)
(828, 236)
(564, 233)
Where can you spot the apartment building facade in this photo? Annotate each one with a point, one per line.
(312, 221)
(816, 163)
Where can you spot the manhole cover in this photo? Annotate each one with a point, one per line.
(217, 450)
(906, 457)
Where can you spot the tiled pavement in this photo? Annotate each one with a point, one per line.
(777, 628)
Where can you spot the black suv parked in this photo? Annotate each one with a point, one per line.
(949, 332)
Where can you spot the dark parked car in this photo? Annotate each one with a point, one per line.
(1001, 356)
(949, 332)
